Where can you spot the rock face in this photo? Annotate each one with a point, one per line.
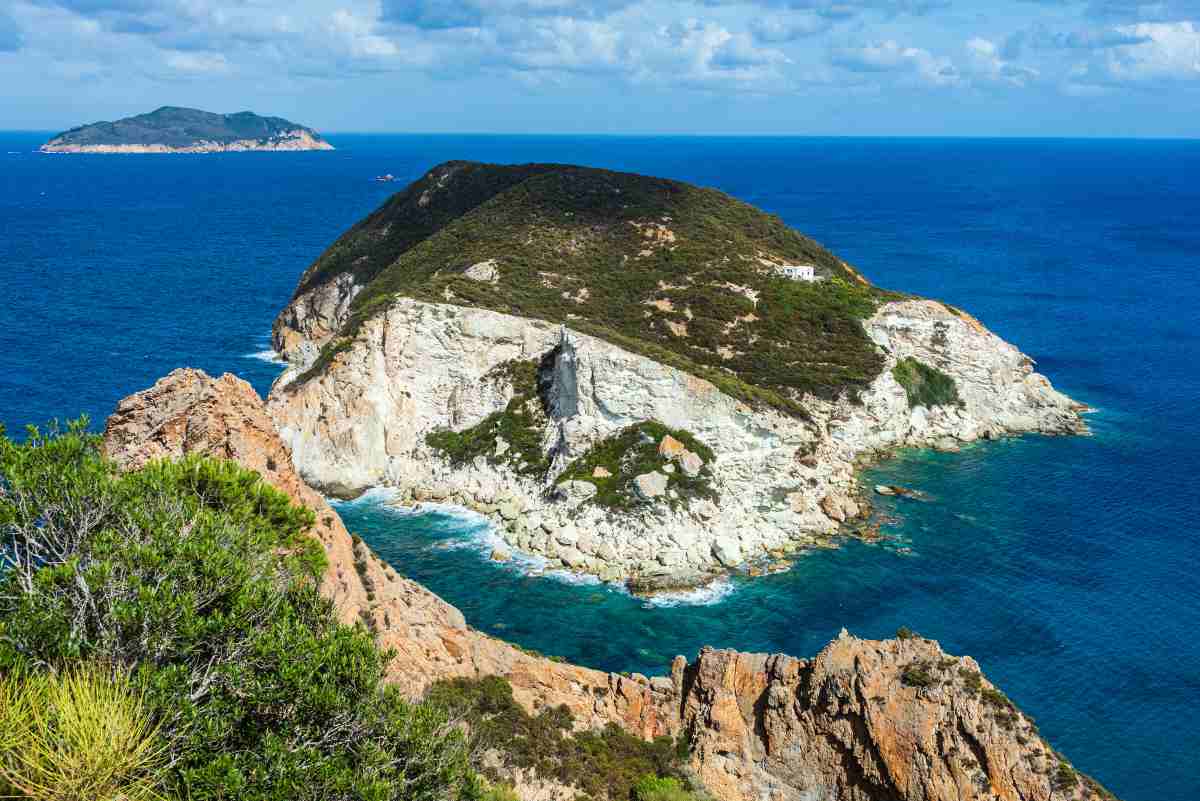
(862, 721)
(783, 482)
(312, 318)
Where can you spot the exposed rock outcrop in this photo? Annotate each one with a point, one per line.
(862, 721)
(312, 317)
(783, 482)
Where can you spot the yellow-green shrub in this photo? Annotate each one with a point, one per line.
(83, 734)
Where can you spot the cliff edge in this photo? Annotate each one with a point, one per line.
(862, 721)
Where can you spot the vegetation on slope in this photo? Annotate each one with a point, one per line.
(679, 273)
(633, 451)
(608, 764)
(925, 385)
(193, 583)
(519, 426)
(417, 212)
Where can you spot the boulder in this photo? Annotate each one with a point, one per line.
(727, 551)
(567, 535)
(690, 463)
(572, 557)
(601, 472)
(839, 508)
(650, 485)
(483, 271)
(669, 447)
(510, 508)
(575, 492)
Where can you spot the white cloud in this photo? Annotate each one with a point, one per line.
(911, 64)
(986, 64)
(359, 37)
(1157, 53)
(1169, 51)
(761, 46)
(788, 27)
(193, 63)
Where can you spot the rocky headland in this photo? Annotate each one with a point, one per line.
(171, 129)
(624, 372)
(861, 721)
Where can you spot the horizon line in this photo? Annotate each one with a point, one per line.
(695, 135)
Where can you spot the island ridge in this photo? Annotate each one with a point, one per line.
(171, 129)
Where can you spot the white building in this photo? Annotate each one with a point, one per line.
(797, 272)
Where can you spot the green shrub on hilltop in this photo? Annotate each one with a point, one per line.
(925, 385)
(678, 273)
(195, 579)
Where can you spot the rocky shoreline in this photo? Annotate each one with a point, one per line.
(783, 484)
(862, 720)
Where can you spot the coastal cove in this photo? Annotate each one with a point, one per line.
(1066, 566)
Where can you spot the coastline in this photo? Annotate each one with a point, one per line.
(683, 588)
(291, 141)
(785, 484)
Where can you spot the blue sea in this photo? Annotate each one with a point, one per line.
(1068, 567)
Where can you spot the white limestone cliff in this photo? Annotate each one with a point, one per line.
(784, 483)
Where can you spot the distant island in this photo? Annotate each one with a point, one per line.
(172, 129)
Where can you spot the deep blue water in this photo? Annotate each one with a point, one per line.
(1069, 567)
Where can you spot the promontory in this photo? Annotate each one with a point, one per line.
(172, 129)
(636, 378)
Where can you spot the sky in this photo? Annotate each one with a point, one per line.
(1116, 68)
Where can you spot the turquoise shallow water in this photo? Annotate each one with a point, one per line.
(1068, 567)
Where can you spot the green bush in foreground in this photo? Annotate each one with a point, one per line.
(925, 385)
(83, 733)
(196, 579)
